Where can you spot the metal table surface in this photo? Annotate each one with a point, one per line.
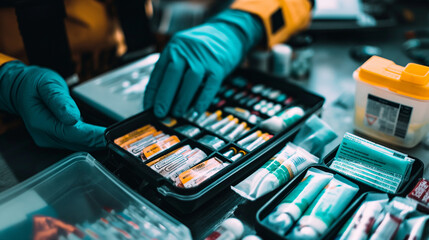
(331, 77)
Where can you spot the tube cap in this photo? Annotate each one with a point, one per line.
(304, 233)
(252, 237)
(235, 226)
(291, 209)
(279, 222)
(309, 232)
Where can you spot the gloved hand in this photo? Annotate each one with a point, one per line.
(41, 97)
(208, 52)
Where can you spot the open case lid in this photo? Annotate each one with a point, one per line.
(77, 191)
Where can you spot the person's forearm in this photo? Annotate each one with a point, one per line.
(250, 27)
(280, 18)
(6, 85)
(5, 58)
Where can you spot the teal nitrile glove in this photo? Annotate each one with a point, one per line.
(41, 97)
(207, 52)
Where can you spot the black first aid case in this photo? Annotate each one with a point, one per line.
(264, 231)
(245, 100)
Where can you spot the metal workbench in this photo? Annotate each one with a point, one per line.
(331, 77)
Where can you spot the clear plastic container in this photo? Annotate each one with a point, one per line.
(78, 191)
(392, 102)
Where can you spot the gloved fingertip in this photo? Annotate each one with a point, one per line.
(69, 121)
(101, 143)
(94, 135)
(178, 112)
(147, 101)
(201, 107)
(159, 111)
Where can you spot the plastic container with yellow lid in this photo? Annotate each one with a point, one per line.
(392, 102)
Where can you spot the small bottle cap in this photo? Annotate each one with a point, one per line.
(253, 119)
(305, 233)
(258, 88)
(252, 237)
(280, 221)
(235, 226)
(236, 156)
(309, 231)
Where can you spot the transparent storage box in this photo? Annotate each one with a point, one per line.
(77, 192)
(392, 102)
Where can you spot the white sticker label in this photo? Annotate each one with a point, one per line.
(386, 116)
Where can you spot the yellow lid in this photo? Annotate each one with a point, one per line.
(244, 124)
(411, 81)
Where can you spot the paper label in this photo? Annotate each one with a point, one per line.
(387, 117)
(136, 147)
(283, 174)
(361, 150)
(162, 158)
(158, 147)
(135, 135)
(197, 174)
(375, 177)
(272, 164)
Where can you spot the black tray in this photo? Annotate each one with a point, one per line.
(188, 200)
(336, 228)
(266, 209)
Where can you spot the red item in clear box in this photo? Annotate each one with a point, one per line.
(288, 101)
(220, 103)
(421, 192)
(46, 228)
